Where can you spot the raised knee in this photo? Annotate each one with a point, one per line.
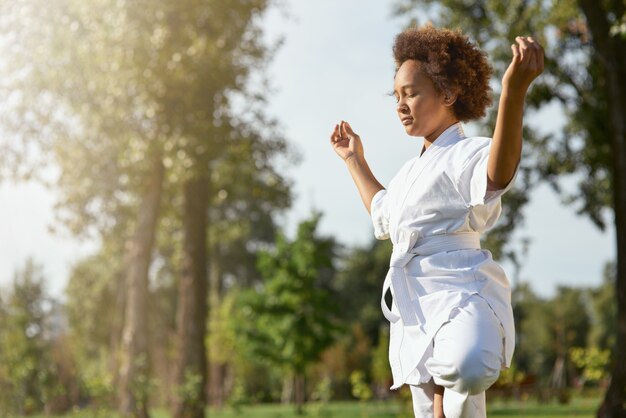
(477, 375)
(471, 379)
(472, 372)
(475, 383)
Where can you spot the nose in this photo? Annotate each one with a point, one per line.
(402, 107)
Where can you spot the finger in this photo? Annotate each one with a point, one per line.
(523, 48)
(349, 130)
(516, 54)
(342, 129)
(334, 137)
(541, 56)
(534, 53)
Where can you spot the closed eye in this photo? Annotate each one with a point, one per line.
(394, 95)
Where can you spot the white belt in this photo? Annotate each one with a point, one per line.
(403, 254)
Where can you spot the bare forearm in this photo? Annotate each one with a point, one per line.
(506, 147)
(364, 180)
(348, 146)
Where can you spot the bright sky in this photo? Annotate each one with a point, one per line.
(336, 64)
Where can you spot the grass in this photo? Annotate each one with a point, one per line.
(378, 409)
(578, 407)
(581, 407)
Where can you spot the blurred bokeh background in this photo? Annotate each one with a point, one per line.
(177, 237)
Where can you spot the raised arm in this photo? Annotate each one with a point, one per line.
(506, 147)
(348, 146)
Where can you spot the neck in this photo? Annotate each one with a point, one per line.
(430, 138)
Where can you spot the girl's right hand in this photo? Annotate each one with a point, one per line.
(345, 142)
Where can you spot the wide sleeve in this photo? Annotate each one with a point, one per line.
(472, 182)
(379, 209)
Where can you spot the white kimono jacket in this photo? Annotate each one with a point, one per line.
(434, 211)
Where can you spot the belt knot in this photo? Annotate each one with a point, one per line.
(408, 247)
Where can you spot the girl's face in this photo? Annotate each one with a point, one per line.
(421, 108)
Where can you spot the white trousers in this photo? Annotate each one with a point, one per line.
(467, 354)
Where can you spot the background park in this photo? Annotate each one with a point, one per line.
(178, 239)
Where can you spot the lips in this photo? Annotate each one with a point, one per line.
(407, 120)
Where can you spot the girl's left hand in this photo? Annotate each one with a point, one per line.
(526, 65)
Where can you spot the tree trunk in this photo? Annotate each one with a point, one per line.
(287, 391)
(134, 365)
(300, 392)
(191, 320)
(612, 53)
(217, 384)
(216, 370)
(615, 400)
(117, 328)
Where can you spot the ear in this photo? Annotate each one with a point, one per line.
(449, 97)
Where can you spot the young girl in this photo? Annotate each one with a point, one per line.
(451, 318)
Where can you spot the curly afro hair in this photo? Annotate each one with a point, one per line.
(453, 63)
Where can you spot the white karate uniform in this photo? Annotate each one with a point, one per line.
(434, 211)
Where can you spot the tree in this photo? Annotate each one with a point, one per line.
(604, 309)
(25, 343)
(95, 300)
(291, 320)
(132, 102)
(134, 345)
(585, 74)
(78, 104)
(250, 194)
(569, 325)
(595, 358)
(534, 348)
(203, 115)
(358, 284)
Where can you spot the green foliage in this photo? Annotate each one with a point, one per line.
(190, 391)
(96, 378)
(381, 372)
(291, 320)
(143, 384)
(593, 362)
(99, 90)
(360, 388)
(570, 318)
(360, 277)
(253, 379)
(534, 350)
(322, 391)
(564, 328)
(604, 311)
(511, 376)
(350, 352)
(130, 81)
(321, 396)
(94, 309)
(238, 396)
(221, 338)
(27, 370)
(548, 329)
